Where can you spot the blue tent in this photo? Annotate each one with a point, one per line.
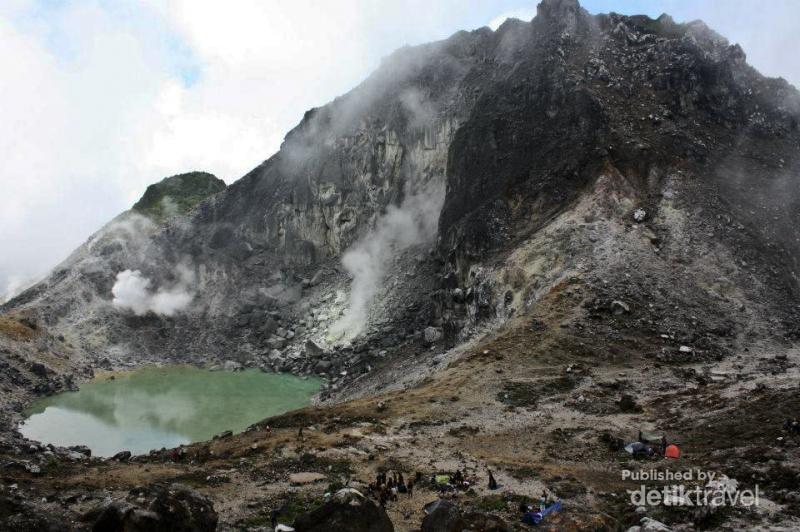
(534, 518)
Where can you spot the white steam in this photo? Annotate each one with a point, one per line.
(414, 222)
(133, 292)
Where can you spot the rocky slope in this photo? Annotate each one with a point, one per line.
(614, 195)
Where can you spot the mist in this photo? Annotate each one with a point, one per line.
(134, 292)
(414, 222)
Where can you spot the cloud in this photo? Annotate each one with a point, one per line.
(525, 13)
(132, 292)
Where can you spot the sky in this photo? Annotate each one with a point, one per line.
(101, 98)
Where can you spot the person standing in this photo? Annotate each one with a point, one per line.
(492, 481)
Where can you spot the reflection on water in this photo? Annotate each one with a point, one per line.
(162, 407)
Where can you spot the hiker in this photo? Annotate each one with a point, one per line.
(492, 481)
(543, 501)
(300, 434)
(383, 498)
(401, 480)
(273, 517)
(663, 447)
(410, 488)
(457, 477)
(641, 438)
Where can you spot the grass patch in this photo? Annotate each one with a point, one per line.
(18, 328)
(177, 195)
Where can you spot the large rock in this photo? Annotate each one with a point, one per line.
(175, 508)
(443, 516)
(121, 516)
(181, 509)
(347, 511)
(432, 335)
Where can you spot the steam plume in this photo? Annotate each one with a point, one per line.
(413, 222)
(132, 291)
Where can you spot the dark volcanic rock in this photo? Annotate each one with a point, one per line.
(181, 509)
(347, 510)
(443, 516)
(174, 508)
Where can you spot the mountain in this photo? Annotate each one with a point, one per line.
(609, 194)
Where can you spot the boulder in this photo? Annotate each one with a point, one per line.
(484, 523)
(39, 369)
(431, 335)
(649, 525)
(322, 366)
(83, 449)
(628, 404)
(181, 509)
(231, 365)
(122, 456)
(442, 516)
(121, 516)
(175, 508)
(312, 349)
(619, 307)
(347, 510)
(276, 342)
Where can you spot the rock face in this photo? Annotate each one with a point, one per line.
(536, 148)
(346, 510)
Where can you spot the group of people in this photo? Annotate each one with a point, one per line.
(387, 487)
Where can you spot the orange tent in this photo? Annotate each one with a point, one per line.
(672, 451)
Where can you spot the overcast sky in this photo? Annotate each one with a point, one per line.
(100, 99)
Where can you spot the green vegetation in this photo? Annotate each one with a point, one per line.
(177, 195)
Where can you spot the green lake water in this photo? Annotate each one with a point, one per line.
(151, 408)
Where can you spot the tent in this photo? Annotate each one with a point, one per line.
(636, 448)
(672, 451)
(442, 479)
(534, 518)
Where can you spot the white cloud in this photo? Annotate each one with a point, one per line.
(524, 13)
